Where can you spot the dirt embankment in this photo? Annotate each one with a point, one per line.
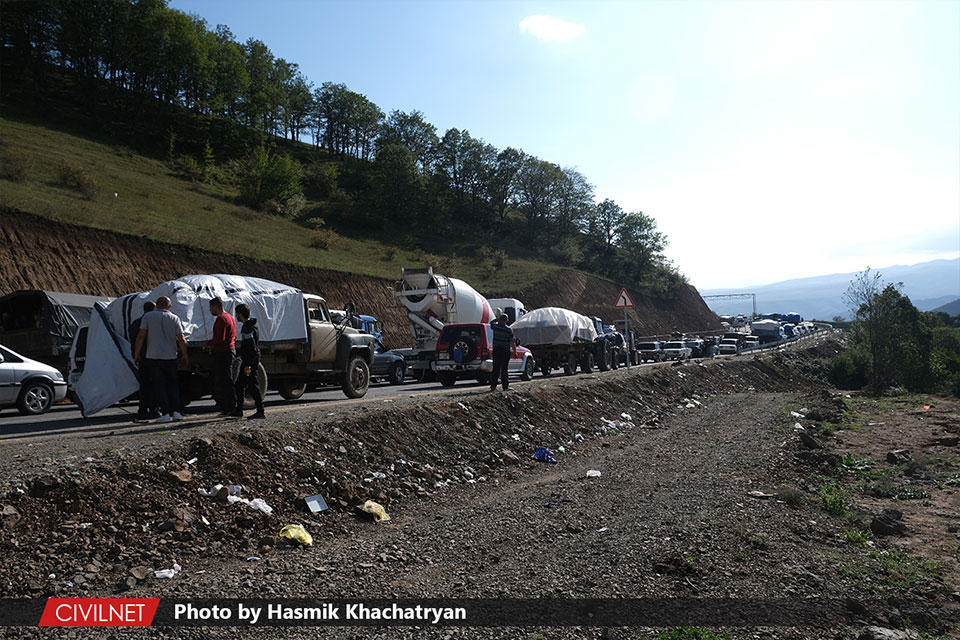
(43, 254)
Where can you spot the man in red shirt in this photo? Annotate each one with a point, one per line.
(223, 345)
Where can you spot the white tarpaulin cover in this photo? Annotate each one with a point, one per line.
(552, 325)
(765, 326)
(109, 374)
(277, 307)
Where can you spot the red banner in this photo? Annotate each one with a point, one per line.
(99, 612)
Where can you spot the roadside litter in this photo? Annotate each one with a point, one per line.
(167, 573)
(593, 473)
(542, 454)
(231, 494)
(760, 494)
(371, 509)
(289, 449)
(316, 503)
(296, 533)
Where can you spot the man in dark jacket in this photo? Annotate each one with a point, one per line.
(148, 409)
(502, 343)
(249, 339)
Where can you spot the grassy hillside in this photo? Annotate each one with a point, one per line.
(141, 196)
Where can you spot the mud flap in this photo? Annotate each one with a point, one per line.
(109, 374)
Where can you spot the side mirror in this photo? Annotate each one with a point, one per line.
(348, 308)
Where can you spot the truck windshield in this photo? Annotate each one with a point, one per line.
(648, 346)
(673, 345)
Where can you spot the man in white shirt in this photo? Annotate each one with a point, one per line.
(163, 334)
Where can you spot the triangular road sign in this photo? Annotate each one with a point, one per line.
(624, 301)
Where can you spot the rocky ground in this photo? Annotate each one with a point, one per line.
(707, 489)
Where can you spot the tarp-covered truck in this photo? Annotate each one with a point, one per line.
(299, 343)
(559, 339)
(41, 324)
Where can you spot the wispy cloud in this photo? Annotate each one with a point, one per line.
(546, 27)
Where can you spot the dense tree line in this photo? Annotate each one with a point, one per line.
(396, 167)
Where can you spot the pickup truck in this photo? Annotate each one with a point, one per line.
(729, 346)
(676, 350)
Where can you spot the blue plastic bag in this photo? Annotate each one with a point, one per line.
(542, 454)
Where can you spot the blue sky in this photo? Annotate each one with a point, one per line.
(770, 140)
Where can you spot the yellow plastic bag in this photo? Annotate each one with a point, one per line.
(297, 533)
(379, 513)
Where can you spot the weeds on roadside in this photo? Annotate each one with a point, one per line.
(892, 568)
(791, 495)
(692, 633)
(857, 537)
(833, 499)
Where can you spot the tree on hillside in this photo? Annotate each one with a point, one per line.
(397, 185)
(574, 202)
(537, 190)
(892, 332)
(415, 133)
(502, 183)
(607, 220)
(641, 246)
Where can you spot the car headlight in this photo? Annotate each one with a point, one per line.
(58, 376)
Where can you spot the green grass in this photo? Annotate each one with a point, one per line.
(892, 569)
(856, 537)
(152, 201)
(833, 499)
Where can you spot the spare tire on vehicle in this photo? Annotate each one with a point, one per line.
(466, 345)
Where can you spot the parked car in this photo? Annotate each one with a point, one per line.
(29, 385)
(752, 341)
(696, 346)
(650, 351)
(387, 365)
(466, 351)
(676, 350)
(729, 346)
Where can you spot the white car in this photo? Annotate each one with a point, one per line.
(728, 346)
(751, 341)
(29, 385)
(676, 349)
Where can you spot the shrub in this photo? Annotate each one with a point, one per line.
(322, 239)
(187, 167)
(848, 370)
(833, 499)
(269, 178)
(77, 178)
(13, 168)
(388, 254)
(857, 537)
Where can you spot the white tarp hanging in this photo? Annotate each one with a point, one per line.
(109, 374)
(278, 308)
(552, 325)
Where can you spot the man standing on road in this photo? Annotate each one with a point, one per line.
(249, 361)
(502, 342)
(163, 335)
(148, 408)
(222, 345)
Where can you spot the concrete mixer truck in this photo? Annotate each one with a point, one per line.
(432, 301)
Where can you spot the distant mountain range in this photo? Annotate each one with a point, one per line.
(951, 308)
(928, 284)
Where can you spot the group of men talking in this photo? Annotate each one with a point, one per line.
(159, 344)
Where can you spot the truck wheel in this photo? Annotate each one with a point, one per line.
(36, 398)
(528, 369)
(248, 402)
(447, 379)
(356, 378)
(397, 373)
(570, 367)
(602, 357)
(589, 360)
(291, 391)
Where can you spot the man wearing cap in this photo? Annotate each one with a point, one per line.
(502, 342)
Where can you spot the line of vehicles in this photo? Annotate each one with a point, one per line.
(83, 342)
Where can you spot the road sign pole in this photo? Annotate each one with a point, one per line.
(626, 330)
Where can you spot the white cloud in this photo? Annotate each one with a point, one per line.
(547, 27)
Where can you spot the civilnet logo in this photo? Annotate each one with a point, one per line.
(99, 612)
